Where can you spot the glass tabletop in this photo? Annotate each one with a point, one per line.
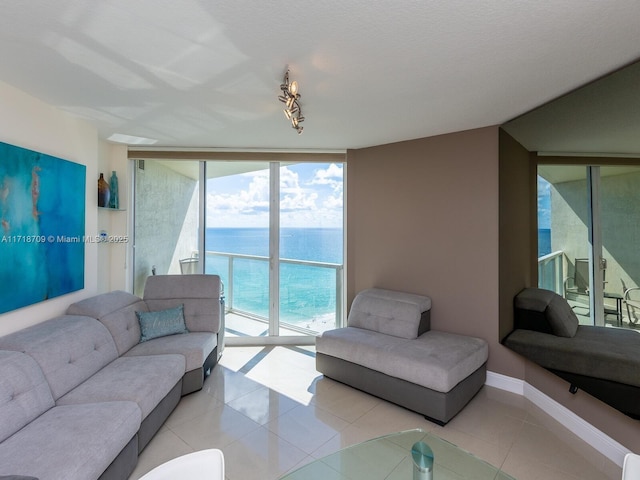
(389, 458)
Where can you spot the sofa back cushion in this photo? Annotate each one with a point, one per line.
(24, 392)
(200, 295)
(69, 349)
(544, 311)
(388, 312)
(117, 311)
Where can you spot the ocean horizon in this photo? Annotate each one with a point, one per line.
(307, 292)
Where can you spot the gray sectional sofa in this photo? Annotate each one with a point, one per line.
(389, 350)
(81, 395)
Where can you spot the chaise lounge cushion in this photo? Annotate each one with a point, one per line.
(599, 352)
(435, 360)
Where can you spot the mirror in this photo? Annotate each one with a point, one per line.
(596, 129)
(601, 118)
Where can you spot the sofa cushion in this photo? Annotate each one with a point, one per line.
(389, 312)
(100, 305)
(24, 392)
(562, 318)
(161, 323)
(435, 360)
(200, 295)
(117, 311)
(544, 311)
(69, 349)
(195, 346)
(75, 442)
(422, 302)
(598, 352)
(144, 380)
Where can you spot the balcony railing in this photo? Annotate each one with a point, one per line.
(310, 292)
(551, 272)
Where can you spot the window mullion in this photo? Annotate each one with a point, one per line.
(274, 248)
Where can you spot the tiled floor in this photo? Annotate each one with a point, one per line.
(270, 411)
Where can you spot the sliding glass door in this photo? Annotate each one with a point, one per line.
(588, 230)
(274, 233)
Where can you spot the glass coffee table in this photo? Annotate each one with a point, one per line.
(389, 458)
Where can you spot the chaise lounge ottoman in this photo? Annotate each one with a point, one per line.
(389, 351)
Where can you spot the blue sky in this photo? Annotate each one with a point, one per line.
(311, 195)
(544, 203)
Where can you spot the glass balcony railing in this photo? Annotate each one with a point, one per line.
(551, 272)
(310, 292)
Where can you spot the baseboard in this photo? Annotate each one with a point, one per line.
(606, 445)
(506, 383)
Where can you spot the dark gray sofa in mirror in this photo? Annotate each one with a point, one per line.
(602, 361)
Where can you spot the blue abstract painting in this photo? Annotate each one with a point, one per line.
(42, 213)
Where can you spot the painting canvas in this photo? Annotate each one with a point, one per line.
(42, 213)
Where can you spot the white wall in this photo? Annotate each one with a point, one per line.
(29, 123)
(114, 258)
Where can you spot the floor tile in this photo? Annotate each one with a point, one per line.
(387, 418)
(263, 405)
(270, 412)
(261, 454)
(307, 427)
(165, 446)
(216, 428)
(341, 400)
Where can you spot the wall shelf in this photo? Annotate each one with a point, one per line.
(113, 209)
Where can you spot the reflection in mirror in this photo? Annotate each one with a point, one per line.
(588, 222)
(602, 117)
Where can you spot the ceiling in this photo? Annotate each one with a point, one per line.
(206, 74)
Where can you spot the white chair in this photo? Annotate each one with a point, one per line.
(189, 266)
(631, 467)
(201, 465)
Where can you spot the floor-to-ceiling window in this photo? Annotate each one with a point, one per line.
(588, 232)
(273, 230)
(274, 233)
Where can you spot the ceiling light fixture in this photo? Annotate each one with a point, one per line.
(290, 97)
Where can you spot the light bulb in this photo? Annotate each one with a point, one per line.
(293, 88)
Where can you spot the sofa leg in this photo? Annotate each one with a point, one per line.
(573, 389)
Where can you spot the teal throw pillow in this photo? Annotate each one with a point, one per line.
(161, 323)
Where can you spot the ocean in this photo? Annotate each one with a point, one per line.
(544, 242)
(307, 291)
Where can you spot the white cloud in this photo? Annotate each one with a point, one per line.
(304, 202)
(331, 176)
